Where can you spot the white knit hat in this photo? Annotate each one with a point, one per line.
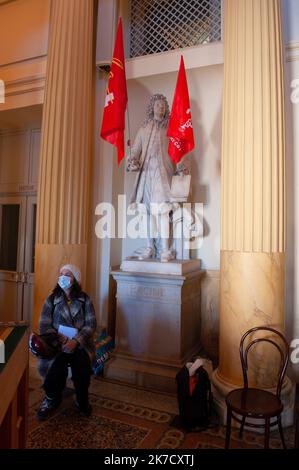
(74, 270)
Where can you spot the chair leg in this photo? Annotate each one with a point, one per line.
(281, 432)
(242, 426)
(267, 432)
(297, 431)
(228, 427)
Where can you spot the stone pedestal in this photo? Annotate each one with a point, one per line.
(157, 326)
(154, 266)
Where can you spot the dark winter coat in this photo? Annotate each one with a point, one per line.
(80, 314)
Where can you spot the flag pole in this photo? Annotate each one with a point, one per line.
(129, 130)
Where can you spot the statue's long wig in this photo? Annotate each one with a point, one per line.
(150, 111)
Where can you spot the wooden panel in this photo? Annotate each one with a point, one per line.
(5, 429)
(24, 28)
(24, 85)
(9, 381)
(14, 435)
(9, 299)
(34, 156)
(29, 260)
(23, 401)
(28, 299)
(14, 386)
(14, 160)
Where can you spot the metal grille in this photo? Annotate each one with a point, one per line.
(164, 25)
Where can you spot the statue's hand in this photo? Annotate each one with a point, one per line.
(181, 169)
(133, 165)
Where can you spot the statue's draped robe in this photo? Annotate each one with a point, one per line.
(152, 184)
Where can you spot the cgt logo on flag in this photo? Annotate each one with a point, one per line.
(2, 352)
(109, 98)
(177, 142)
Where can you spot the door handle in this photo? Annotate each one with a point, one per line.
(20, 277)
(15, 277)
(23, 277)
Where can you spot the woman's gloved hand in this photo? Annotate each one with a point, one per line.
(133, 165)
(62, 338)
(70, 346)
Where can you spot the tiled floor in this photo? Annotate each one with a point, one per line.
(125, 417)
(162, 402)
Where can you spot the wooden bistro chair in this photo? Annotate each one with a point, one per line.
(255, 403)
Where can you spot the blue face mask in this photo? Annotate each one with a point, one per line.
(64, 282)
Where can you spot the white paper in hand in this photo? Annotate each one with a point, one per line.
(68, 331)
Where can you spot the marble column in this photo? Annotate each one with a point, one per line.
(62, 211)
(253, 189)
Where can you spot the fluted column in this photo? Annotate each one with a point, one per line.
(61, 234)
(253, 185)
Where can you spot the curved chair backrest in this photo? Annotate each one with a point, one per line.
(283, 349)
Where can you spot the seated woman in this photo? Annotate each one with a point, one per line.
(68, 306)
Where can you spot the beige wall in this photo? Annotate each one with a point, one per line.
(210, 285)
(107, 182)
(23, 30)
(292, 175)
(19, 155)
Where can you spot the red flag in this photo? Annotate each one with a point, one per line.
(113, 123)
(180, 128)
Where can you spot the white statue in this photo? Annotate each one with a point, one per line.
(152, 186)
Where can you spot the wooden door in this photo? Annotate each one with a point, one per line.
(12, 244)
(29, 258)
(17, 243)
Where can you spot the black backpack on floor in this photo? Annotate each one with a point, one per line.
(195, 410)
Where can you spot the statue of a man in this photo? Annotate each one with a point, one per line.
(155, 169)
